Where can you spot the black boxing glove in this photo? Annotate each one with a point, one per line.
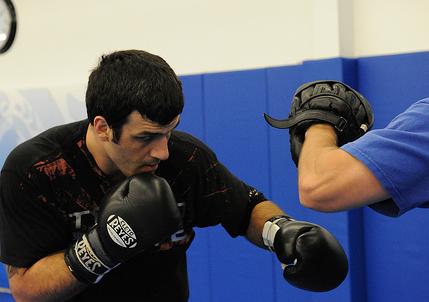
(330, 102)
(135, 216)
(311, 257)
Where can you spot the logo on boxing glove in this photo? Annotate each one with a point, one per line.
(120, 232)
(87, 257)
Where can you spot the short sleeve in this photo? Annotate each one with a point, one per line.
(222, 197)
(398, 156)
(205, 188)
(227, 200)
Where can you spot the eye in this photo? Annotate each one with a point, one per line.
(146, 138)
(151, 137)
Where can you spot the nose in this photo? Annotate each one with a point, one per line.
(160, 148)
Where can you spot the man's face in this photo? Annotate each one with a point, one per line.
(141, 146)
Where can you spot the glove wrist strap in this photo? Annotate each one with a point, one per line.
(85, 261)
(338, 122)
(270, 229)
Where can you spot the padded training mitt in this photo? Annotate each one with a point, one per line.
(330, 102)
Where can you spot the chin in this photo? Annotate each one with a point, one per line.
(149, 169)
(145, 169)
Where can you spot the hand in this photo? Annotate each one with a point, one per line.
(138, 214)
(329, 102)
(311, 256)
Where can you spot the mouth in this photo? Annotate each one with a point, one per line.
(150, 168)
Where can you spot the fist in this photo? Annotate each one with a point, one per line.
(311, 256)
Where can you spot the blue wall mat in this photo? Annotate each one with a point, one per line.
(392, 83)
(388, 256)
(4, 297)
(13, 122)
(355, 235)
(192, 121)
(9, 140)
(45, 106)
(76, 107)
(356, 252)
(396, 249)
(192, 117)
(3, 277)
(396, 257)
(328, 69)
(234, 103)
(282, 83)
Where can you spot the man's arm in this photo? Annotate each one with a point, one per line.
(49, 279)
(260, 214)
(329, 178)
(120, 224)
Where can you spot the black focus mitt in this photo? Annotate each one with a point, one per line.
(329, 102)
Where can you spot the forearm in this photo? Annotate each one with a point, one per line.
(319, 169)
(313, 166)
(260, 214)
(330, 179)
(49, 279)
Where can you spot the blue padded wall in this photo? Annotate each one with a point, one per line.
(396, 249)
(3, 277)
(388, 257)
(192, 121)
(282, 83)
(372, 242)
(4, 286)
(233, 104)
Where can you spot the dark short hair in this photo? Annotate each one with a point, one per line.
(130, 80)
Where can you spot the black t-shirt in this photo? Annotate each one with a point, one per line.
(50, 190)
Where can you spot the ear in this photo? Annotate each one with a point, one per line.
(101, 128)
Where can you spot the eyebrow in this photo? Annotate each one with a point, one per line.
(150, 133)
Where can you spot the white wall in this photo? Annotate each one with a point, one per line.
(58, 42)
(390, 26)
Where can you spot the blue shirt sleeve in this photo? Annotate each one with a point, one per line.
(398, 156)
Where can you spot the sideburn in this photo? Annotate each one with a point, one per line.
(117, 131)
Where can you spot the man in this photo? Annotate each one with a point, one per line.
(339, 169)
(105, 207)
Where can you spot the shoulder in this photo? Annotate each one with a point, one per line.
(188, 158)
(423, 102)
(414, 118)
(185, 144)
(48, 144)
